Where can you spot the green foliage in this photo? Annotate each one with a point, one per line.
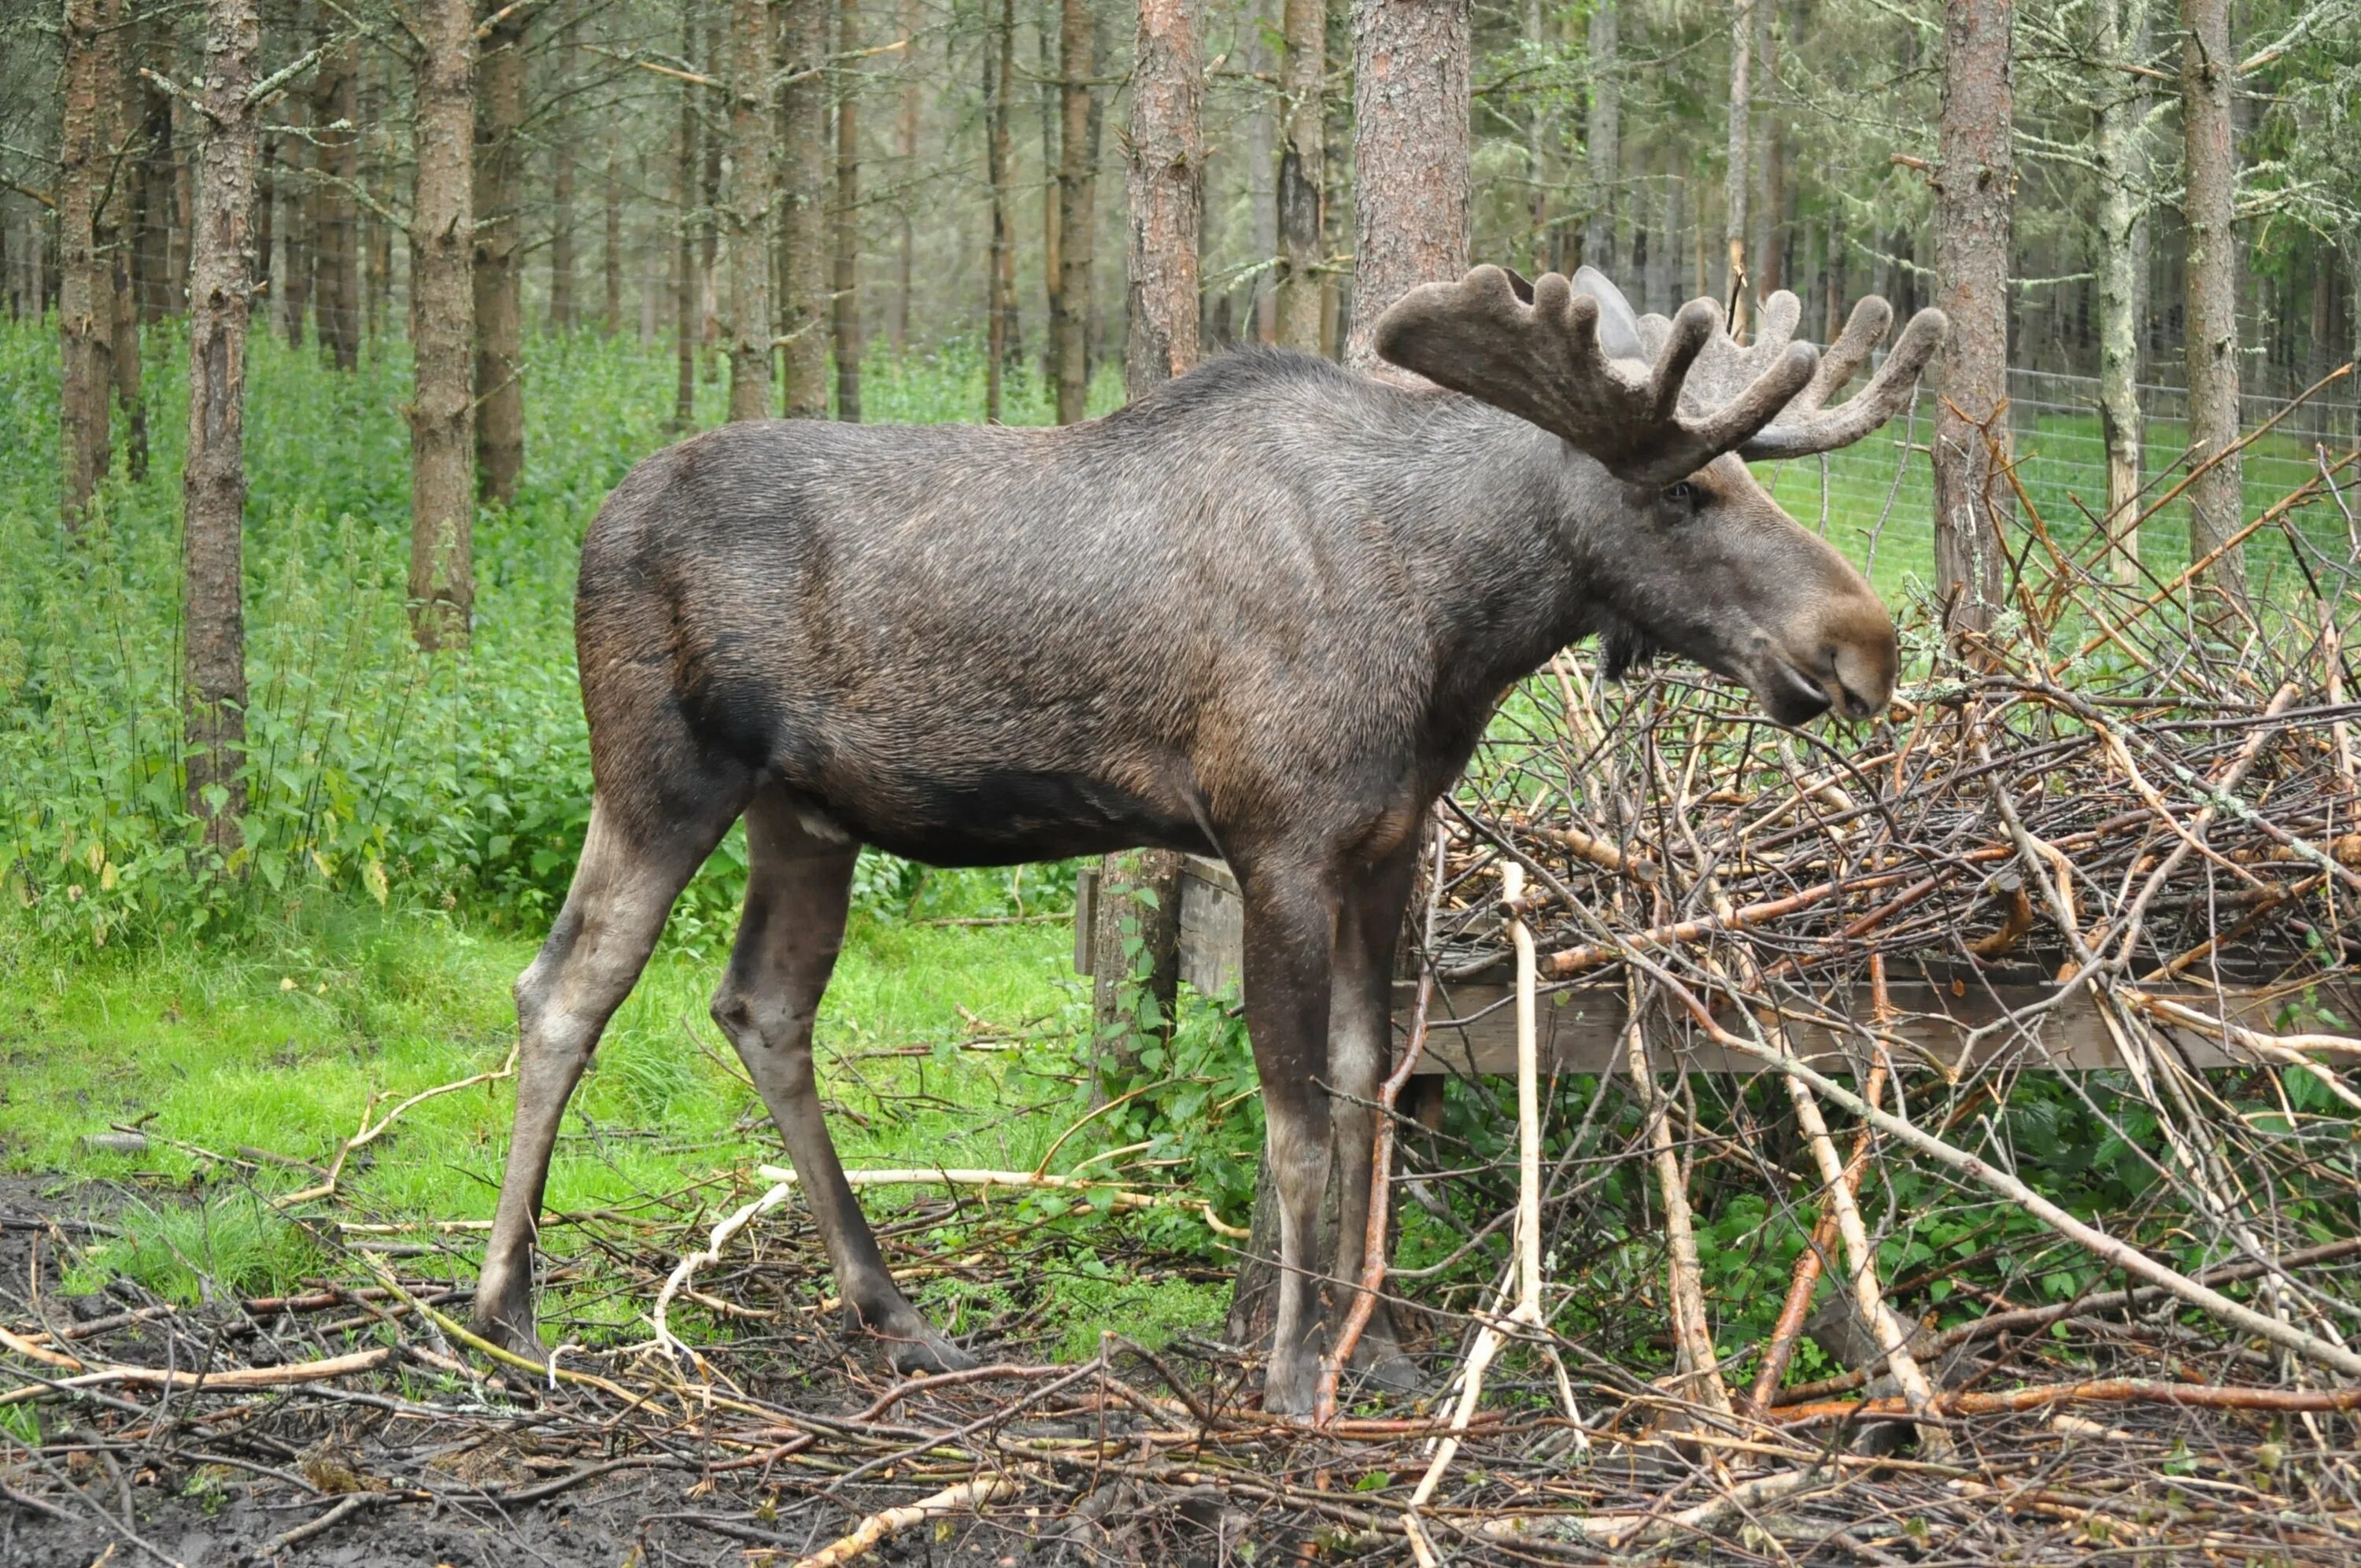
(372, 771)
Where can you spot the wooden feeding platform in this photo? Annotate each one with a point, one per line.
(1581, 1025)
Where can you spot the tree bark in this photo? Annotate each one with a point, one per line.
(2119, 148)
(906, 156)
(1735, 172)
(1069, 323)
(1000, 271)
(1973, 200)
(336, 264)
(803, 113)
(2210, 176)
(1765, 267)
(846, 281)
(377, 234)
(86, 281)
(1302, 174)
(443, 328)
(150, 250)
(499, 278)
(1167, 192)
(610, 252)
(747, 193)
(212, 481)
(291, 199)
(1410, 155)
(1603, 143)
(684, 275)
(1262, 170)
(562, 315)
(129, 391)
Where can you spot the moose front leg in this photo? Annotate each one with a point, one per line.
(1291, 926)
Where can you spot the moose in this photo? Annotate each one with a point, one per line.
(1263, 613)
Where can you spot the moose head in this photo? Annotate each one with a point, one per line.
(1686, 552)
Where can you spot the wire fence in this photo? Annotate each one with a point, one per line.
(1881, 511)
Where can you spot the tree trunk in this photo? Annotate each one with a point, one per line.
(1303, 174)
(745, 216)
(1000, 273)
(1735, 172)
(803, 113)
(1069, 323)
(377, 234)
(1167, 194)
(2120, 152)
(905, 157)
(86, 281)
(499, 279)
(1603, 143)
(151, 247)
(846, 281)
(1048, 101)
(1410, 155)
(336, 267)
(610, 252)
(1765, 272)
(2210, 175)
(443, 328)
(1972, 213)
(1262, 171)
(291, 201)
(684, 275)
(128, 388)
(562, 316)
(1135, 959)
(213, 479)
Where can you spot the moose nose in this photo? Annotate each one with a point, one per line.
(1860, 671)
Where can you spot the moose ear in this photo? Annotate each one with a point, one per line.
(1618, 325)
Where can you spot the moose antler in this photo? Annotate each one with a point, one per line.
(1536, 350)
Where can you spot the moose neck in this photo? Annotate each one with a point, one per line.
(1489, 523)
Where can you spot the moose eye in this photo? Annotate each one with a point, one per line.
(1683, 495)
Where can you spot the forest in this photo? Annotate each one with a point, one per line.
(1927, 1137)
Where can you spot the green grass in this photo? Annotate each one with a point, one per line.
(283, 1048)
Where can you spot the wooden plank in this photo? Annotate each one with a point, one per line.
(1582, 1026)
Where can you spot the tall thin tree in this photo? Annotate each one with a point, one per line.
(685, 210)
(2119, 155)
(335, 214)
(846, 271)
(562, 161)
(443, 325)
(1167, 193)
(1736, 175)
(1302, 172)
(1603, 142)
(213, 478)
(1000, 269)
(498, 282)
(747, 193)
(804, 178)
(2209, 206)
(1069, 326)
(1974, 202)
(1409, 154)
(85, 278)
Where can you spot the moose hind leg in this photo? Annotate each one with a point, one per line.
(796, 889)
(623, 887)
(1289, 936)
(1360, 1044)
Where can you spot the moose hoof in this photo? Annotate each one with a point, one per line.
(913, 1345)
(503, 1332)
(1292, 1387)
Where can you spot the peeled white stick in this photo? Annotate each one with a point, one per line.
(1492, 1336)
(966, 1496)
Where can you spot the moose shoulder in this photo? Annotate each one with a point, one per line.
(1262, 614)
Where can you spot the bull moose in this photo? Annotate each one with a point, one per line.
(1263, 613)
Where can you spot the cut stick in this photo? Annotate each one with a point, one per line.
(230, 1378)
(965, 1497)
(1692, 1334)
(2100, 1391)
(1492, 1335)
(2106, 1248)
(1860, 1263)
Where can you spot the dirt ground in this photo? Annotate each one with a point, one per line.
(394, 1481)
